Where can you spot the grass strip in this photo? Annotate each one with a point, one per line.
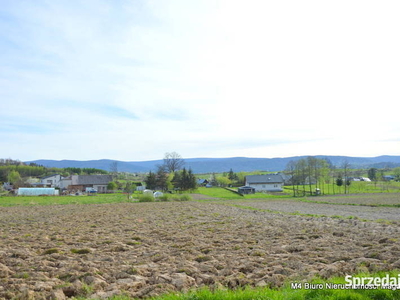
(320, 290)
(351, 204)
(7, 201)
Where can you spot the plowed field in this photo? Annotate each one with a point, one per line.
(145, 249)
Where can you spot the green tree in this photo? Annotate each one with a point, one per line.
(14, 177)
(176, 181)
(129, 188)
(119, 184)
(396, 174)
(241, 178)
(339, 181)
(192, 184)
(232, 175)
(223, 181)
(290, 171)
(213, 179)
(161, 178)
(111, 186)
(372, 173)
(169, 183)
(184, 180)
(151, 181)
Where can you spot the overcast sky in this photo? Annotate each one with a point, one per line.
(131, 79)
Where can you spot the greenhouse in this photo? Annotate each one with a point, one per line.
(37, 191)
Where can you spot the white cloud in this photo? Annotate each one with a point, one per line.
(132, 80)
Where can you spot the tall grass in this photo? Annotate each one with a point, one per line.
(174, 197)
(146, 198)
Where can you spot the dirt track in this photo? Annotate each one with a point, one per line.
(361, 212)
(145, 249)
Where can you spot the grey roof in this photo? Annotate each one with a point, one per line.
(48, 176)
(92, 179)
(246, 187)
(201, 181)
(268, 178)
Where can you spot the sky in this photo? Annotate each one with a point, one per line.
(133, 79)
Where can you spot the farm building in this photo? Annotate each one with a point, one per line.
(265, 183)
(37, 191)
(287, 179)
(7, 186)
(202, 182)
(49, 181)
(244, 190)
(81, 182)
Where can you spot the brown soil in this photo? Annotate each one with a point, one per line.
(349, 211)
(145, 249)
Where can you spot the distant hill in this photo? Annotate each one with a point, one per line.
(209, 165)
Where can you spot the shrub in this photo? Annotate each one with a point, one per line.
(164, 197)
(181, 198)
(146, 198)
(184, 198)
(80, 251)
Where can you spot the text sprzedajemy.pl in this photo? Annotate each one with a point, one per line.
(351, 282)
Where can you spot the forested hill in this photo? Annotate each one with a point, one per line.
(237, 164)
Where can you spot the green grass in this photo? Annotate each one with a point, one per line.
(174, 197)
(217, 192)
(94, 199)
(286, 292)
(52, 200)
(225, 194)
(355, 187)
(306, 200)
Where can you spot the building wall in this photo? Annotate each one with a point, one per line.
(52, 181)
(266, 187)
(64, 183)
(100, 188)
(76, 188)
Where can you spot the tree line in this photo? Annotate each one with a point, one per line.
(180, 180)
(171, 175)
(313, 175)
(16, 172)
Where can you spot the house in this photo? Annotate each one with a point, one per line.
(81, 182)
(265, 183)
(202, 182)
(7, 186)
(50, 181)
(287, 179)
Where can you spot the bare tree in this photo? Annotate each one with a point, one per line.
(173, 162)
(290, 171)
(346, 167)
(114, 168)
